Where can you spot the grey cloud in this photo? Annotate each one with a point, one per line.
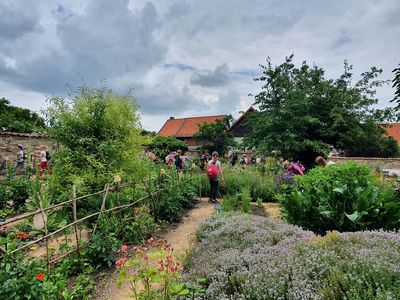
(218, 77)
(16, 22)
(104, 41)
(109, 39)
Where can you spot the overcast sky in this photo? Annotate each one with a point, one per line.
(185, 58)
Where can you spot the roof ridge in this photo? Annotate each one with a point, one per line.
(179, 129)
(196, 117)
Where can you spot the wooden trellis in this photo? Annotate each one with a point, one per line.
(74, 224)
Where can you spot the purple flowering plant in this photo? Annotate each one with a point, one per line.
(243, 256)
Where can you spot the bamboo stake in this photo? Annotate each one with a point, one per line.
(45, 232)
(122, 207)
(103, 206)
(28, 215)
(75, 218)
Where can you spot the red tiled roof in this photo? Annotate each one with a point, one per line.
(393, 130)
(186, 127)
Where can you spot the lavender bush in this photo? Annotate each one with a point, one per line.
(251, 257)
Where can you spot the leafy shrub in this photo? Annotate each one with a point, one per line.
(162, 145)
(19, 189)
(240, 201)
(131, 227)
(344, 197)
(250, 178)
(19, 279)
(243, 256)
(4, 196)
(101, 136)
(177, 195)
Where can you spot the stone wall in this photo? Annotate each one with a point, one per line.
(373, 162)
(30, 141)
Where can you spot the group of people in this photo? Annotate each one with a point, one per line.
(43, 156)
(175, 158)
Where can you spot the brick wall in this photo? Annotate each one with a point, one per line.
(374, 162)
(30, 142)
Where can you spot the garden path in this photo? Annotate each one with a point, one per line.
(182, 237)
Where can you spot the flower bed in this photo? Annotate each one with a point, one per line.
(249, 257)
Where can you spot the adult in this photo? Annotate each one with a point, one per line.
(232, 156)
(215, 167)
(19, 163)
(44, 164)
(178, 160)
(186, 159)
(320, 161)
(204, 159)
(169, 159)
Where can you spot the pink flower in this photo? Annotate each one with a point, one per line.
(120, 262)
(124, 248)
(173, 268)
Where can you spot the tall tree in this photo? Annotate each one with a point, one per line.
(17, 119)
(396, 85)
(301, 112)
(215, 136)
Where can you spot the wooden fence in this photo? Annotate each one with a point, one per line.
(104, 192)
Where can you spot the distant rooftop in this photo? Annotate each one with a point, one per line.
(186, 127)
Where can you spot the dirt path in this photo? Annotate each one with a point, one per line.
(182, 237)
(272, 210)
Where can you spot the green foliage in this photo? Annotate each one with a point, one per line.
(130, 226)
(15, 189)
(18, 279)
(344, 197)
(162, 145)
(18, 119)
(176, 196)
(4, 196)
(101, 136)
(81, 289)
(237, 179)
(215, 135)
(396, 85)
(238, 201)
(301, 112)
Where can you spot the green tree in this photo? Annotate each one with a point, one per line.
(215, 136)
(396, 85)
(19, 119)
(162, 145)
(100, 134)
(301, 113)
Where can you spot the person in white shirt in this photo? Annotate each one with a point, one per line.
(20, 158)
(44, 164)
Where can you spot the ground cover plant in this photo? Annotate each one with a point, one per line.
(344, 197)
(242, 256)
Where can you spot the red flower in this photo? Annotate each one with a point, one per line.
(173, 268)
(25, 236)
(40, 276)
(120, 262)
(124, 248)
